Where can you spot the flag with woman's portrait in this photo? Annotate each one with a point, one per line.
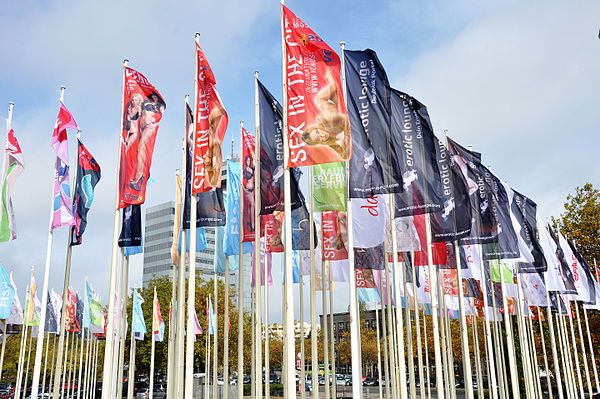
(143, 109)
(248, 186)
(317, 119)
(211, 121)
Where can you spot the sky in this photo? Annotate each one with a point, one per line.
(517, 81)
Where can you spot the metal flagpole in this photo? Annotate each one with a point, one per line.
(510, 341)
(86, 371)
(37, 364)
(443, 334)
(386, 362)
(314, 357)
(354, 316)
(464, 338)
(172, 326)
(50, 380)
(566, 374)
(191, 299)
(27, 366)
(428, 375)
(107, 371)
(180, 311)
(570, 373)
(131, 374)
(95, 375)
(64, 368)
(71, 365)
(77, 373)
(267, 336)
(526, 358)
(22, 349)
(553, 345)
(393, 377)
(331, 335)
(417, 325)
(584, 352)
(207, 361)
(302, 349)
(378, 355)
(493, 385)
(537, 377)
(216, 323)
(477, 355)
(152, 346)
(45, 363)
(123, 323)
(409, 337)
(546, 367)
(589, 337)
(439, 379)
(226, 333)
(324, 272)
(575, 353)
(253, 346)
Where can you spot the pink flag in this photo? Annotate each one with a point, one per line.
(264, 257)
(61, 207)
(197, 326)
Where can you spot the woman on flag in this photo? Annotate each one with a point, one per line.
(214, 157)
(248, 180)
(151, 114)
(331, 127)
(132, 116)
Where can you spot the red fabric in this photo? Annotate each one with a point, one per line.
(273, 230)
(335, 235)
(440, 256)
(315, 105)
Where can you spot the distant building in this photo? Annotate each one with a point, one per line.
(276, 330)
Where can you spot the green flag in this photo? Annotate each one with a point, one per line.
(329, 181)
(497, 269)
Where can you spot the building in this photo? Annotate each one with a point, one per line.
(158, 238)
(276, 330)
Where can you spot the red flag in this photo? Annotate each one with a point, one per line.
(449, 281)
(273, 229)
(143, 108)
(318, 126)
(248, 186)
(335, 235)
(440, 255)
(211, 124)
(71, 321)
(364, 278)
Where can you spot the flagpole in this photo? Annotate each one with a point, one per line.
(314, 354)
(267, 337)
(45, 363)
(226, 333)
(439, 379)
(353, 308)
(392, 377)
(378, 354)
(107, 372)
(191, 300)
(386, 363)
(27, 366)
(550, 318)
(331, 335)
(537, 378)
(131, 371)
(180, 311)
(575, 353)
(464, 339)
(589, 337)
(546, 367)
(324, 271)
(427, 376)
(71, 352)
(152, 346)
(86, 372)
(289, 357)
(442, 320)
(207, 360)
(52, 362)
(253, 345)
(22, 350)
(37, 365)
(240, 338)
(123, 323)
(94, 381)
(417, 324)
(215, 324)
(477, 356)
(569, 372)
(409, 337)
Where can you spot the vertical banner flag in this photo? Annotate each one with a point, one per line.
(158, 325)
(13, 167)
(210, 209)
(16, 310)
(137, 323)
(131, 228)
(71, 316)
(143, 109)
(335, 235)
(318, 127)
(374, 169)
(301, 227)
(88, 175)
(30, 300)
(51, 323)
(7, 294)
(211, 124)
(329, 191)
(453, 221)
(210, 315)
(62, 214)
(57, 306)
(231, 244)
(248, 186)
(415, 145)
(273, 225)
(525, 210)
(271, 155)
(177, 220)
(96, 314)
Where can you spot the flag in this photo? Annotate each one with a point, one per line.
(16, 310)
(197, 326)
(407, 238)
(57, 307)
(71, 308)
(439, 249)
(137, 320)
(143, 109)
(273, 225)
(62, 214)
(232, 227)
(30, 300)
(583, 293)
(501, 272)
(210, 315)
(51, 323)
(13, 167)
(329, 187)
(96, 312)
(79, 312)
(453, 221)
(374, 169)
(414, 145)
(210, 127)
(131, 228)
(369, 217)
(525, 211)
(158, 326)
(271, 155)
(318, 126)
(335, 235)
(564, 267)
(552, 276)
(301, 227)
(484, 228)
(449, 281)
(266, 260)
(470, 261)
(88, 175)
(7, 294)
(534, 289)
(248, 186)
(177, 220)
(210, 206)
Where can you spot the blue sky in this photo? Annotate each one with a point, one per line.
(517, 81)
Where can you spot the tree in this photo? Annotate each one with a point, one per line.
(581, 221)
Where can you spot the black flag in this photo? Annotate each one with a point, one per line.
(131, 228)
(414, 145)
(271, 155)
(525, 211)
(565, 268)
(301, 221)
(373, 167)
(453, 222)
(484, 227)
(88, 175)
(210, 209)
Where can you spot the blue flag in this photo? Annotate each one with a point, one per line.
(211, 318)
(231, 245)
(7, 294)
(137, 323)
(201, 243)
